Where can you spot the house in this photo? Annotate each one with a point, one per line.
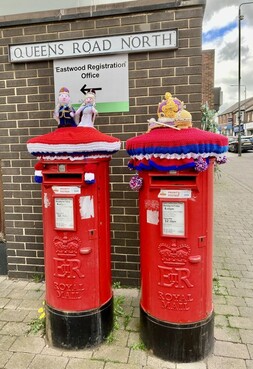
(228, 119)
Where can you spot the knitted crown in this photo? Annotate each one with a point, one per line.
(64, 89)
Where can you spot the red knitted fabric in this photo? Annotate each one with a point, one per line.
(166, 137)
(73, 136)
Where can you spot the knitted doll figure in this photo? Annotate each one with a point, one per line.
(64, 113)
(86, 113)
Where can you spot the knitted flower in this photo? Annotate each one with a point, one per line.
(222, 160)
(135, 183)
(200, 164)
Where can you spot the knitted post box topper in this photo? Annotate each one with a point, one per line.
(172, 144)
(73, 144)
(66, 145)
(169, 149)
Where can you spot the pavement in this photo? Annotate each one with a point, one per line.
(233, 299)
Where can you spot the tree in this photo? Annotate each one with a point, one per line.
(208, 119)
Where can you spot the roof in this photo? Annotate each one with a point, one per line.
(248, 103)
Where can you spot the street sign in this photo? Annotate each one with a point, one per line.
(106, 75)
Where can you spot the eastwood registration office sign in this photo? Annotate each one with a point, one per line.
(138, 42)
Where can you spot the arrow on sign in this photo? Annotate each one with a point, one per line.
(85, 90)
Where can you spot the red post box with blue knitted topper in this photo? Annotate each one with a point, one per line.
(73, 168)
(175, 181)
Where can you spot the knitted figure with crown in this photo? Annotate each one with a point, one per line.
(171, 143)
(64, 113)
(86, 114)
(166, 112)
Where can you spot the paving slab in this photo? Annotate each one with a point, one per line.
(19, 360)
(12, 315)
(4, 357)
(227, 334)
(48, 362)
(198, 365)
(114, 353)
(155, 362)
(231, 349)
(220, 362)
(85, 364)
(28, 344)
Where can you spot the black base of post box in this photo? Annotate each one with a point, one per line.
(177, 342)
(78, 330)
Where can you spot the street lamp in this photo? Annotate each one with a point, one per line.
(245, 90)
(240, 18)
(245, 96)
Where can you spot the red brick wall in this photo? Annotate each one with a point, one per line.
(27, 103)
(208, 77)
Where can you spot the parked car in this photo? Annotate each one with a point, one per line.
(246, 143)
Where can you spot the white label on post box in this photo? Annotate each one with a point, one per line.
(173, 194)
(65, 190)
(173, 218)
(86, 207)
(64, 213)
(152, 216)
(47, 202)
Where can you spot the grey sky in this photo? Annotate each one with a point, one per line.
(221, 33)
(213, 6)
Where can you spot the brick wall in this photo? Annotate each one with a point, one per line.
(208, 77)
(27, 103)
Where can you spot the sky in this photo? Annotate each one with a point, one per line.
(220, 32)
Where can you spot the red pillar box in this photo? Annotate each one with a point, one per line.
(74, 170)
(175, 185)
